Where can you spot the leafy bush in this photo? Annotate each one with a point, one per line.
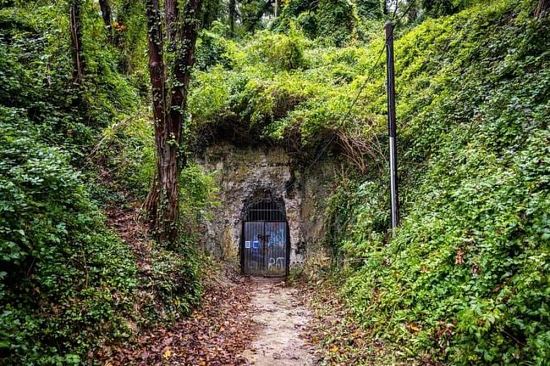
(64, 277)
(278, 85)
(199, 194)
(27, 82)
(331, 22)
(465, 280)
(211, 50)
(280, 51)
(127, 150)
(67, 283)
(34, 51)
(171, 286)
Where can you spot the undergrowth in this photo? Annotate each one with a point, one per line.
(465, 279)
(68, 283)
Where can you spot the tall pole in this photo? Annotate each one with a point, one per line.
(392, 128)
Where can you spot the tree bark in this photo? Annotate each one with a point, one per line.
(107, 16)
(163, 200)
(75, 22)
(232, 16)
(156, 72)
(185, 58)
(542, 8)
(171, 15)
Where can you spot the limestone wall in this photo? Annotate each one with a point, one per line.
(244, 173)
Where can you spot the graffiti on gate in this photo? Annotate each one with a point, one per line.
(276, 263)
(265, 248)
(277, 238)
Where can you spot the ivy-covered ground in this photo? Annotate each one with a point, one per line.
(70, 277)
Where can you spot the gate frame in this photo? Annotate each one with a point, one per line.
(268, 199)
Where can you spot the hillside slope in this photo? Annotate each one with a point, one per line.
(465, 280)
(68, 282)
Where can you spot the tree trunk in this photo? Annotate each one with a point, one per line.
(107, 16)
(171, 15)
(75, 21)
(163, 200)
(156, 72)
(232, 16)
(542, 8)
(185, 52)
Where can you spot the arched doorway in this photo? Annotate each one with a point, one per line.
(265, 239)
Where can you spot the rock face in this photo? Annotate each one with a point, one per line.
(246, 175)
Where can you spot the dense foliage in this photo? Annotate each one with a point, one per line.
(67, 282)
(57, 256)
(465, 279)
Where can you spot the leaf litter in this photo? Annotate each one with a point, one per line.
(215, 334)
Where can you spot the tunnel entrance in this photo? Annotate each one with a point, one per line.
(265, 239)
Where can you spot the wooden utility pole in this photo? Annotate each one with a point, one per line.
(392, 128)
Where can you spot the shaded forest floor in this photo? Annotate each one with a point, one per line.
(241, 320)
(215, 334)
(256, 321)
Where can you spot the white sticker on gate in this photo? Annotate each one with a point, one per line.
(255, 244)
(247, 244)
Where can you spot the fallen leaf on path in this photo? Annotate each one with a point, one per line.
(215, 334)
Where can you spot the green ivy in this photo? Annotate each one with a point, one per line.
(465, 279)
(64, 276)
(67, 283)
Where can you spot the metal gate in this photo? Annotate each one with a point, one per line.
(265, 244)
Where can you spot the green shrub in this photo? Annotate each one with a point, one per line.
(331, 22)
(198, 195)
(127, 150)
(465, 280)
(171, 287)
(279, 51)
(66, 281)
(67, 284)
(211, 50)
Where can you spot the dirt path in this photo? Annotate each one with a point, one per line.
(242, 321)
(281, 320)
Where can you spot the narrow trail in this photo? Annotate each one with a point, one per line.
(281, 319)
(242, 321)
